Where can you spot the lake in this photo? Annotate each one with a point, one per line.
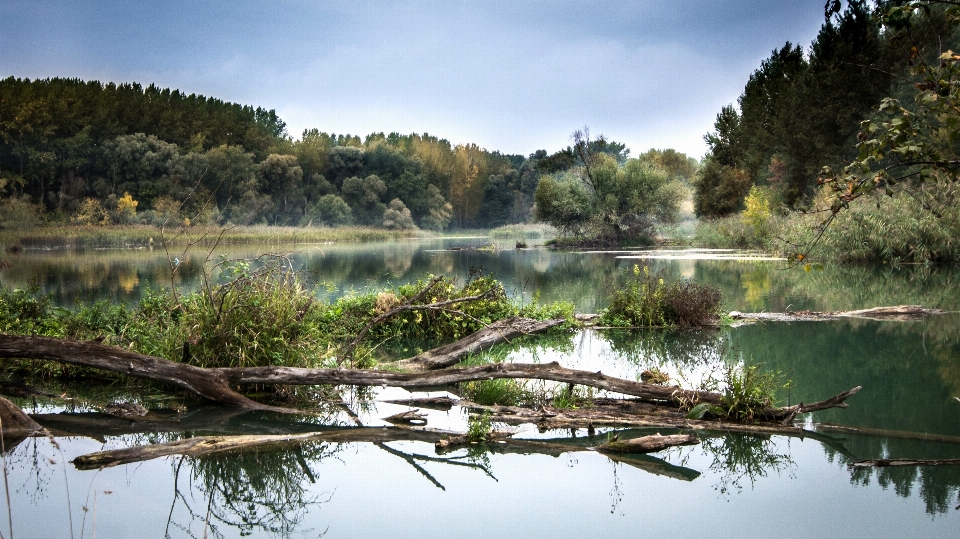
(730, 485)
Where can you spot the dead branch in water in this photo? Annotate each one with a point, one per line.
(896, 313)
(217, 384)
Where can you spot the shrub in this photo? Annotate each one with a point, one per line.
(648, 300)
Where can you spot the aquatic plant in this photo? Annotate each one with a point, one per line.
(478, 428)
(747, 393)
(264, 313)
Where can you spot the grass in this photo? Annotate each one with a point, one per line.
(524, 231)
(72, 236)
(747, 391)
(264, 315)
(478, 428)
(898, 230)
(648, 300)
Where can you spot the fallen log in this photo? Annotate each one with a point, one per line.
(215, 384)
(498, 332)
(896, 313)
(648, 444)
(904, 462)
(207, 383)
(15, 425)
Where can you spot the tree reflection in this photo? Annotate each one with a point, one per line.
(939, 486)
(742, 458)
(254, 491)
(676, 350)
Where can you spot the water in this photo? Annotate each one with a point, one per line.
(729, 485)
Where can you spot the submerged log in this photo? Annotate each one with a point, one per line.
(898, 313)
(648, 444)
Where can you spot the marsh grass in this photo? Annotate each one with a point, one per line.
(899, 230)
(64, 236)
(264, 314)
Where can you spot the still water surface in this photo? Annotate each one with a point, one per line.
(730, 485)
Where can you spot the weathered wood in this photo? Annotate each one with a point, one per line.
(611, 416)
(648, 444)
(496, 333)
(207, 383)
(904, 462)
(15, 425)
(434, 403)
(207, 445)
(410, 417)
(897, 313)
(454, 375)
(216, 384)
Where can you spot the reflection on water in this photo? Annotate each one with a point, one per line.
(731, 484)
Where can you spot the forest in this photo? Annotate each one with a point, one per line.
(87, 152)
(855, 131)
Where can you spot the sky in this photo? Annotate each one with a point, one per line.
(511, 76)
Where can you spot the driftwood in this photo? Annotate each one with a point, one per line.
(898, 313)
(433, 403)
(207, 383)
(216, 384)
(410, 417)
(630, 414)
(498, 332)
(648, 444)
(904, 462)
(15, 425)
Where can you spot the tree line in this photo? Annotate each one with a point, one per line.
(802, 110)
(92, 152)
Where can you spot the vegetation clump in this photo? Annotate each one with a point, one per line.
(266, 314)
(747, 394)
(647, 299)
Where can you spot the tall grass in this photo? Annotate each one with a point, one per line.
(898, 230)
(267, 315)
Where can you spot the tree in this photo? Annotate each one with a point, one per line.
(397, 216)
(610, 201)
(439, 211)
(363, 197)
(329, 210)
(910, 149)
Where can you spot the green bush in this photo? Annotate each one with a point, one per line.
(648, 299)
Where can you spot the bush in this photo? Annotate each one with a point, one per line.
(648, 300)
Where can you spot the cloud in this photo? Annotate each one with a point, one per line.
(507, 75)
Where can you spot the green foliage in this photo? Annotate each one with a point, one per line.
(910, 148)
(397, 216)
(478, 428)
(802, 109)
(497, 392)
(608, 200)
(747, 391)
(646, 299)
(719, 189)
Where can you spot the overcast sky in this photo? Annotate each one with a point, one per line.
(511, 76)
